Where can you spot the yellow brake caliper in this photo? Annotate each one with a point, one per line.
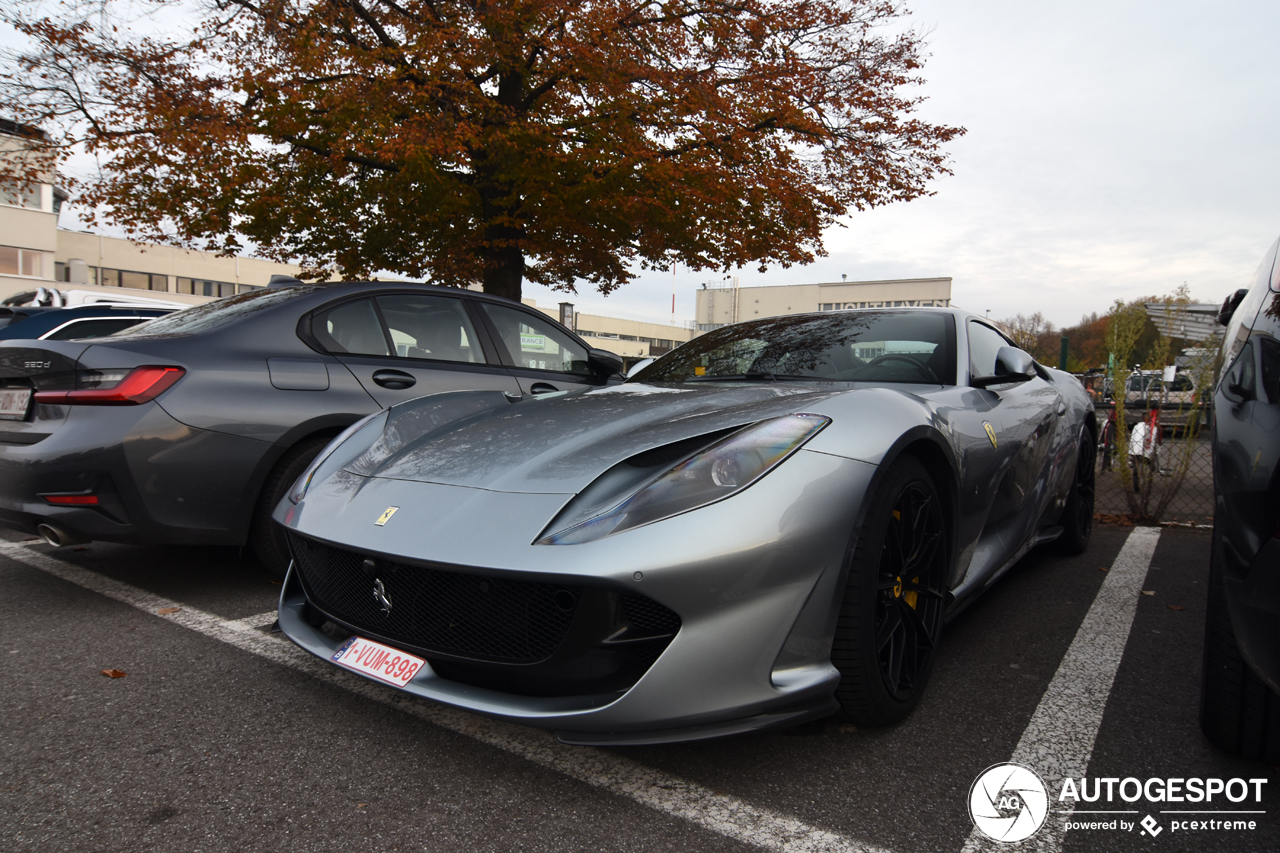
(910, 595)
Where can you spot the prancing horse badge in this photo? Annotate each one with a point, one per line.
(391, 510)
(991, 434)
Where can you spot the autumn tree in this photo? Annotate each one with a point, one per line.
(1035, 334)
(556, 141)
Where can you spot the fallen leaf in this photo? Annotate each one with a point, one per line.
(361, 805)
(1103, 569)
(165, 611)
(847, 728)
(1176, 607)
(114, 673)
(1148, 592)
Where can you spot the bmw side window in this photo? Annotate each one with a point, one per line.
(353, 328)
(984, 343)
(536, 345)
(434, 327)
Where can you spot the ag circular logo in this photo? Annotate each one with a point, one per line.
(1008, 802)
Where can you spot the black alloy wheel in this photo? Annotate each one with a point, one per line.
(1077, 515)
(895, 597)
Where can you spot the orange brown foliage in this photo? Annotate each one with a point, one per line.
(556, 141)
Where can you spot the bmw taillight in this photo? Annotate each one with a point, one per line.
(122, 387)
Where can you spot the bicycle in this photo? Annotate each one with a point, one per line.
(1107, 439)
(1145, 440)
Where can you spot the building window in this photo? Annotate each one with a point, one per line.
(202, 287)
(18, 194)
(131, 279)
(15, 261)
(135, 280)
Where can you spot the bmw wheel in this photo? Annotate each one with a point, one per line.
(265, 536)
(891, 615)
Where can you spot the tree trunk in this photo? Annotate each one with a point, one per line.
(503, 264)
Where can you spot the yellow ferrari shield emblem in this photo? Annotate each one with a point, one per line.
(391, 510)
(991, 433)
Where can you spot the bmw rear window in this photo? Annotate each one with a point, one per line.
(215, 315)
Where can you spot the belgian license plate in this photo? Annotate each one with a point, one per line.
(378, 661)
(14, 403)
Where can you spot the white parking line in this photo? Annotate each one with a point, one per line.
(599, 768)
(260, 620)
(1058, 741)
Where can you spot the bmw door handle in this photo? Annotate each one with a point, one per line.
(542, 388)
(396, 380)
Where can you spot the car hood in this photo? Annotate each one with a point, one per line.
(560, 443)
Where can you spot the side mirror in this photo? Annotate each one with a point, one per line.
(639, 366)
(604, 363)
(1229, 306)
(1012, 365)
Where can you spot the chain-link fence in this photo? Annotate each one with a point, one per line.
(1154, 462)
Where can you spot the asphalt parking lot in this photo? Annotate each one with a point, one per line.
(224, 737)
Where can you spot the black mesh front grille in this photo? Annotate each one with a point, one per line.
(471, 616)
(648, 616)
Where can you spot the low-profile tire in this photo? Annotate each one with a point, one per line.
(265, 536)
(891, 612)
(1239, 713)
(1077, 515)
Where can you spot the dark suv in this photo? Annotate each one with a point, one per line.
(190, 429)
(1240, 698)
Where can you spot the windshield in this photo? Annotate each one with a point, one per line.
(854, 346)
(214, 315)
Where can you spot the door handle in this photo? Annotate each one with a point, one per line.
(542, 388)
(394, 379)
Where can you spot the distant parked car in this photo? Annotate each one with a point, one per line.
(64, 324)
(191, 428)
(1240, 699)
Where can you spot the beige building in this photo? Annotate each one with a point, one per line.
(28, 216)
(631, 339)
(35, 252)
(109, 262)
(720, 305)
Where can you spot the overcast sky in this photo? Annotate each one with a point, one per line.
(1114, 150)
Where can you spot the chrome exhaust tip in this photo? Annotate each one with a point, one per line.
(58, 536)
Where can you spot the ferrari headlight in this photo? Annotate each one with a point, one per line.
(330, 459)
(721, 470)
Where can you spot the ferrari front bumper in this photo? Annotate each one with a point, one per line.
(755, 580)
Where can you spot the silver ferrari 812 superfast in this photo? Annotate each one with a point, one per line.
(767, 525)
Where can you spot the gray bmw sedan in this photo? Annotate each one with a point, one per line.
(189, 429)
